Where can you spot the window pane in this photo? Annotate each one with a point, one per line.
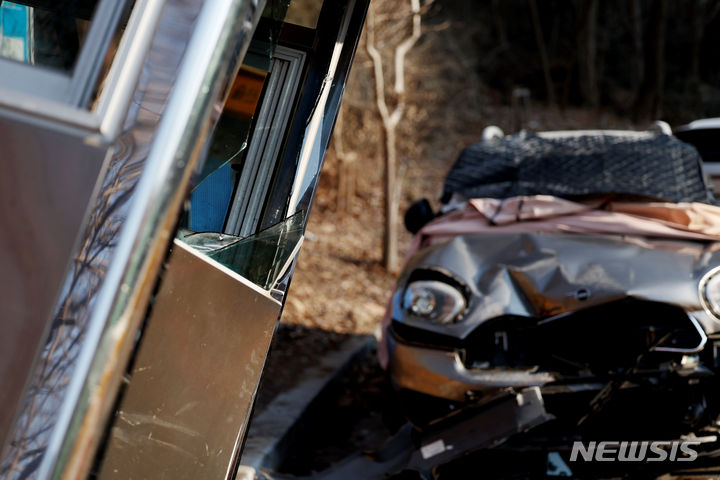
(230, 156)
(45, 33)
(261, 258)
(214, 184)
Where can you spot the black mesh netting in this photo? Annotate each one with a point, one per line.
(657, 166)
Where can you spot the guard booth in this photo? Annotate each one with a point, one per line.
(159, 161)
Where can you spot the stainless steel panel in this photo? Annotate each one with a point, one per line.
(25, 448)
(194, 379)
(218, 39)
(46, 183)
(40, 438)
(154, 55)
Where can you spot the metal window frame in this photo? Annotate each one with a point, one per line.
(266, 142)
(319, 128)
(43, 94)
(56, 85)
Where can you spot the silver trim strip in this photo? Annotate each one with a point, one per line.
(316, 121)
(120, 84)
(701, 345)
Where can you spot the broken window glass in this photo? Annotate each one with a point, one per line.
(215, 182)
(262, 258)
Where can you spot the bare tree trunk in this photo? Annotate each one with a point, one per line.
(499, 22)
(587, 53)
(346, 170)
(698, 29)
(390, 253)
(649, 99)
(550, 91)
(390, 121)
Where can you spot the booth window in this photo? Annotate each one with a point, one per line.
(59, 49)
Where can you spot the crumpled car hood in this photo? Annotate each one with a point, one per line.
(543, 275)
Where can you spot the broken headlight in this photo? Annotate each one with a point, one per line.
(710, 292)
(435, 301)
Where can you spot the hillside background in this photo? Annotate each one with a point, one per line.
(464, 74)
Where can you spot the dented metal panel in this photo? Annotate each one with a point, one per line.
(539, 275)
(441, 373)
(195, 376)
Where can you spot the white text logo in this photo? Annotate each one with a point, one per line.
(635, 451)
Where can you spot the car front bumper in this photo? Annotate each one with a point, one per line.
(441, 373)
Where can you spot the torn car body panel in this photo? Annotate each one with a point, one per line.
(417, 454)
(442, 373)
(545, 265)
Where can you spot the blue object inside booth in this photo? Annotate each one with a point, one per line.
(210, 201)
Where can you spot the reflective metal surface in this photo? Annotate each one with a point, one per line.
(319, 128)
(158, 72)
(46, 183)
(164, 118)
(220, 36)
(62, 343)
(702, 340)
(195, 375)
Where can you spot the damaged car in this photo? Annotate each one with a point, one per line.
(579, 267)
